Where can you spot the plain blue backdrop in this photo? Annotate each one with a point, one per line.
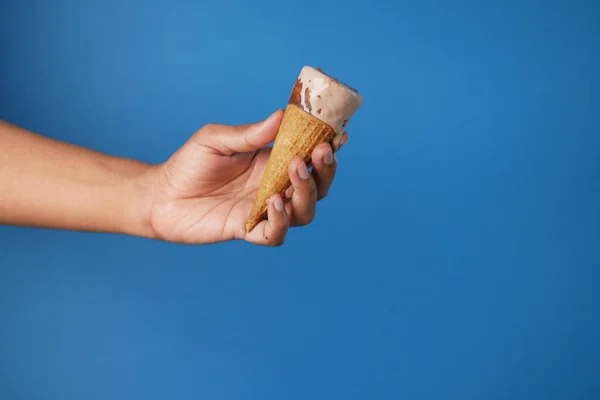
(456, 257)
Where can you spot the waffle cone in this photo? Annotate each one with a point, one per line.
(299, 134)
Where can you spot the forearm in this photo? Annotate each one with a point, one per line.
(51, 184)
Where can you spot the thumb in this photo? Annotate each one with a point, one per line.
(227, 139)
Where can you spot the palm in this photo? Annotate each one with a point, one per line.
(212, 202)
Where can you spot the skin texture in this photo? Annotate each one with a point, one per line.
(203, 194)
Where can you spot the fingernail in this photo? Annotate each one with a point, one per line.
(278, 204)
(303, 171)
(328, 157)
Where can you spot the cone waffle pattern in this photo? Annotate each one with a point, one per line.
(299, 134)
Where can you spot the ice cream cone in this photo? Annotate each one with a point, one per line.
(318, 109)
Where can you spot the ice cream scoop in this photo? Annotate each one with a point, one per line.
(325, 98)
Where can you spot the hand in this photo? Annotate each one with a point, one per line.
(205, 191)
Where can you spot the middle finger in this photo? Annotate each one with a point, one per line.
(304, 198)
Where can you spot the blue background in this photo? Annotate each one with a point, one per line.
(456, 257)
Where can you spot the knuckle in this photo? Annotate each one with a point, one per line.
(323, 193)
(306, 218)
(312, 189)
(275, 236)
(208, 129)
(201, 134)
(277, 241)
(306, 191)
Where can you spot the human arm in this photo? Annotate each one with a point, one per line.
(52, 184)
(202, 194)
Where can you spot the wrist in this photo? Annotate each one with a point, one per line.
(138, 196)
